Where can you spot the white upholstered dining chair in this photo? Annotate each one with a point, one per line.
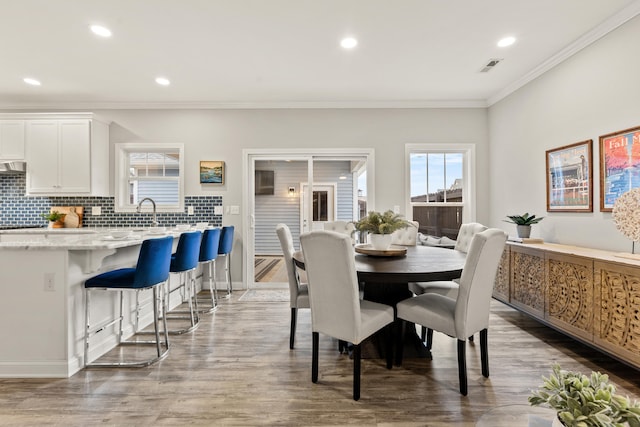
(407, 236)
(450, 289)
(342, 227)
(298, 292)
(468, 312)
(336, 309)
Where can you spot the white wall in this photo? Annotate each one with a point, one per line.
(223, 134)
(595, 92)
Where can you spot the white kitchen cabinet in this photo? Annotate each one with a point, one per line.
(12, 139)
(67, 157)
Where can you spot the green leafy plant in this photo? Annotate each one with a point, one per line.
(583, 401)
(524, 219)
(53, 216)
(381, 223)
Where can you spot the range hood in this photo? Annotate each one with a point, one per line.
(12, 167)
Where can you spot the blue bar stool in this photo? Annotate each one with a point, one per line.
(226, 245)
(184, 262)
(208, 254)
(151, 272)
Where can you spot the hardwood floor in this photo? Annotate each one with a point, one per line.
(236, 369)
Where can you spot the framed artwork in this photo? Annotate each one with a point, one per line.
(569, 178)
(619, 165)
(212, 172)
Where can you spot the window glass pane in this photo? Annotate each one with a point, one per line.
(453, 177)
(163, 192)
(435, 177)
(438, 220)
(418, 171)
(137, 164)
(320, 206)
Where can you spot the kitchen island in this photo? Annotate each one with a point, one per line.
(42, 306)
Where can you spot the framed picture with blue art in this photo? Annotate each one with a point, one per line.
(569, 178)
(211, 172)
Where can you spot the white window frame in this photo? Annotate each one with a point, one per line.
(468, 152)
(121, 175)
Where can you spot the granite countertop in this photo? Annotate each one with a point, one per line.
(77, 238)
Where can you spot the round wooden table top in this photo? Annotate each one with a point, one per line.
(420, 264)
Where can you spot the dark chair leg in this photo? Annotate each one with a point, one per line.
(343, 347)
(484, 353)
(389, 331)
(401, 330)
(292, 336)
(315, 339)
(462, 366)
(423, 334)
(471, 338)
(429, 338)
(356, 372)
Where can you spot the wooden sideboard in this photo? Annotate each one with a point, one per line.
(589, 294)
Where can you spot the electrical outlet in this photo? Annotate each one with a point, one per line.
(396, 209)
(234, 210)
(189, 210)
(96, 210)
(218, 210)
(49, 282)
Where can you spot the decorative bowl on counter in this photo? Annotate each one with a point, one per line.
(157, 230)
(120, 234)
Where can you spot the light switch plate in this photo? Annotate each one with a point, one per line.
(96, 210)
(234, 210)
(189, 210)
(218, 210)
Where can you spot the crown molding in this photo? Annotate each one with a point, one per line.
(610, 24)
(470, 103)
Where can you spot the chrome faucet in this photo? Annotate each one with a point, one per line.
(154, 221)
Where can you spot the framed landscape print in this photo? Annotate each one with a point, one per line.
(569, 178)
(619, 165)
(212, 172)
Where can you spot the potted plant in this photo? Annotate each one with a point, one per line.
(380, 226)
(523, 223)
(55, 218)
(583, 401)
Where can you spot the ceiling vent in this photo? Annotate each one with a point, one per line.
(490, 64)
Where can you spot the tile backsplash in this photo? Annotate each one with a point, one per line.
(18, 209)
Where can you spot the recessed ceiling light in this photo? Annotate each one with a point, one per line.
(348, 43)
(507, 41)
(163, 81)
(30, 81)
(101, 31)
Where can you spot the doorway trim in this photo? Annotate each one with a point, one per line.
(249, 155)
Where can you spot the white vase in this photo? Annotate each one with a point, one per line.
(380, 242)
(556, 422)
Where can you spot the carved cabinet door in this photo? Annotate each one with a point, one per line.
(569, 299)
(501, 286)
(527, 280)
(617, 322)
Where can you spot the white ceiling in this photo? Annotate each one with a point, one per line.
(286, 53)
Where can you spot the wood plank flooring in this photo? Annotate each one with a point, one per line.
(236, 369)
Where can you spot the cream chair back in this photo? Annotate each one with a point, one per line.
(476, 283)
(333, 285)
(465, 235)
(407, 236)
(286, 242)
(342, 227)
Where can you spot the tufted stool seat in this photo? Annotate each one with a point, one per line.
(407, 236)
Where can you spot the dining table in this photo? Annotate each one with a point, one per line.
(384, 278)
